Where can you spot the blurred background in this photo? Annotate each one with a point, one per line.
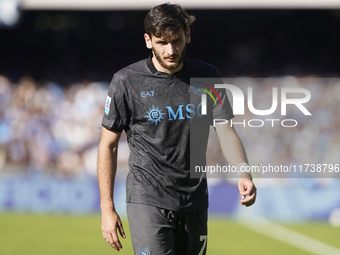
(56, 62)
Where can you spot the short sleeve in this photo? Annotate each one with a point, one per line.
(116, 114)
(222, 108)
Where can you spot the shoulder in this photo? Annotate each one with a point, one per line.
(201, 68)
(134, 69)
(128, 75)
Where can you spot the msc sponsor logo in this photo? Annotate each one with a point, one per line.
(190, 112)
(155, 115)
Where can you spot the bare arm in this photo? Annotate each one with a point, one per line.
(234, 152)
(107, 167)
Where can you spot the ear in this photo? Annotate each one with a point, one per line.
(187, 36)
(147, 41)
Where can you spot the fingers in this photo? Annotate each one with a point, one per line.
(248, 198)
(116, 241)
(244, 193)
(112, 240)
(248, 192)
(248, 201)
(121, 229)
(110, 223)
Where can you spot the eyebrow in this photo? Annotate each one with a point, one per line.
(159, 40)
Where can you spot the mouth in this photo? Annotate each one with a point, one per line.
(172, 58)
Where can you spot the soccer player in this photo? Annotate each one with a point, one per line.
(149, 100)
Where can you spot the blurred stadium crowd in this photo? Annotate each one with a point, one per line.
(56, 130)
(48, 128)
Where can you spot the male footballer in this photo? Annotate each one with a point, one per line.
(149, 100)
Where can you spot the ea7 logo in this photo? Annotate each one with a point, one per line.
(147, 93)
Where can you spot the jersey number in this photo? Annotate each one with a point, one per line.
(204, 239)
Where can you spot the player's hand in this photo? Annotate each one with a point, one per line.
(110, 223)
(247, 191)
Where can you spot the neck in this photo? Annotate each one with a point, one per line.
(165, 70)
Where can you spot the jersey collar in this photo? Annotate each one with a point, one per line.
(153, 69)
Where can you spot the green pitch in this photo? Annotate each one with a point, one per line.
(80, 235)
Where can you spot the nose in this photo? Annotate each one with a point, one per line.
(171, 49)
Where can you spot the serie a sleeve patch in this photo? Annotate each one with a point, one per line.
(107, 105)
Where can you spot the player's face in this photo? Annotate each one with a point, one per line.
(168, 54)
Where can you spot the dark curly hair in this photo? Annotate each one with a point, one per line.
(166, 20)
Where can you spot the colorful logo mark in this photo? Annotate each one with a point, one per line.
(199, 88)
(107, 104)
